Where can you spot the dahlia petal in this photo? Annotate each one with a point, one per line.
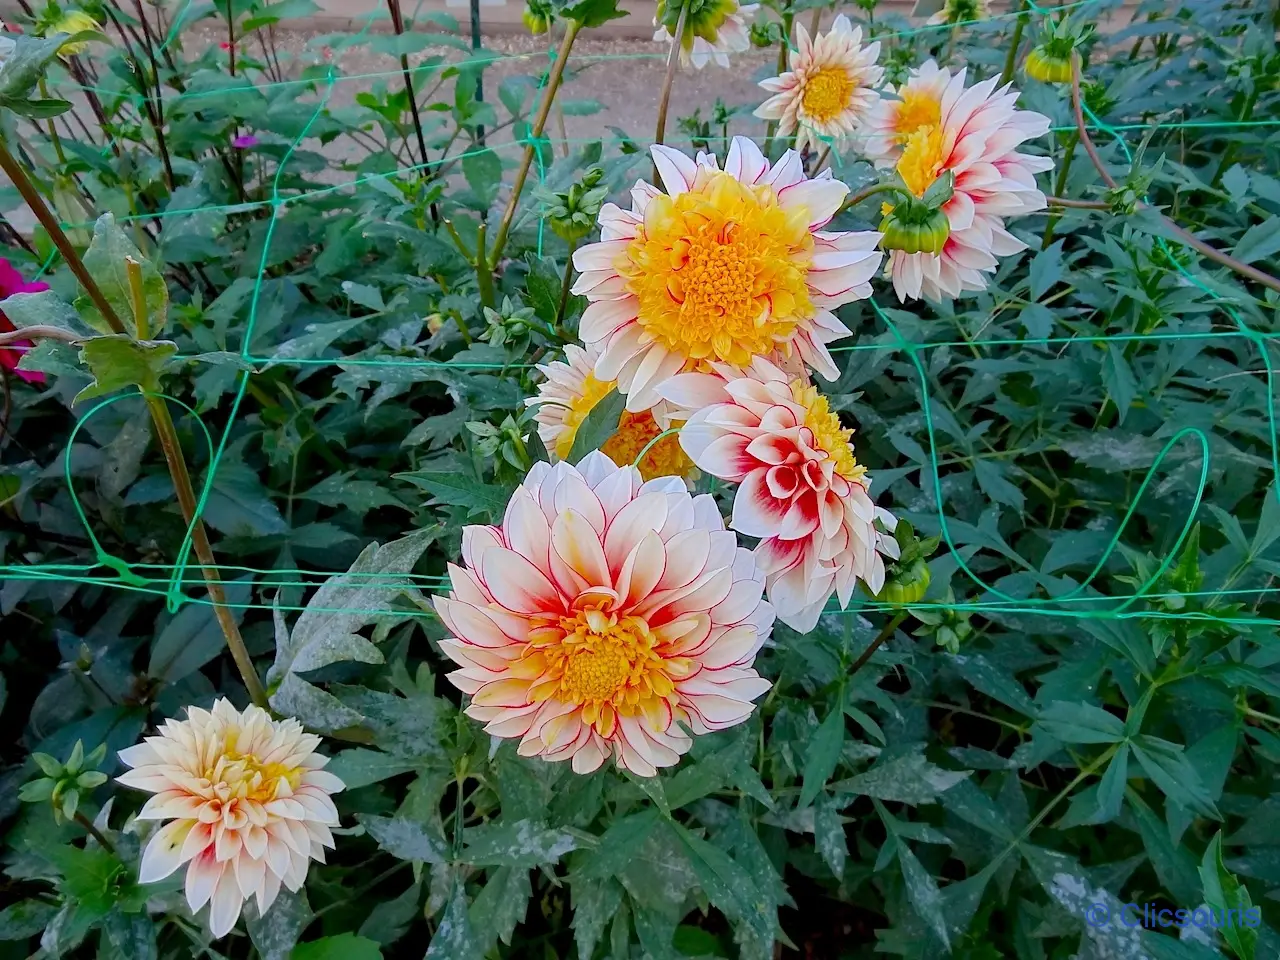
(603, 317)
(676, 170)
(163, 854)
(203, 874)
(745, 162)
(224, 906)
(516, 583)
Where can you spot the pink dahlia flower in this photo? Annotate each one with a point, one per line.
(725, 266)
(933, 124)
(247, 801)
(606, 616)
(801, 490)
(11, 282)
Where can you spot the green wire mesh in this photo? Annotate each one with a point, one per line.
(173, 581)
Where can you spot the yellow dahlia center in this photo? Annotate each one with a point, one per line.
(922, 159)
(635, 431)
(593, 391)
(604, 663)
(916, 110)
(826, 93)
(720, 270)
(828, 433)
(245, 776)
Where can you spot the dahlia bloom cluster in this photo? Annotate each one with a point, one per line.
(932, 125)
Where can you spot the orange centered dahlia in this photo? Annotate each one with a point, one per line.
(801, 489)
(934, 124)
(248, 801)
(829, 88)
(571, 391)
(605, 616)
(725, 266)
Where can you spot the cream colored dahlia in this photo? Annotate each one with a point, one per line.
(934, 124)
(712, 32)
(960, 11)
(800, 490)
(605, 616)
(247, 801)
(725, 266)
(829, 88)
(571, 391)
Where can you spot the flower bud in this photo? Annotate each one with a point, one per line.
(1044, 65)
(911, 229)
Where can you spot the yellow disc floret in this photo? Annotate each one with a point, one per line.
(916, 110)
(826, 93)
(233, 775)
(604, 664)
(719, 271)
(828, 433)
(922, 159)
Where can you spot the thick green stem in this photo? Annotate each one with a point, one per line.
(1060, 187)
(484, 268)
(564, 291)
(1011, 58)
(53, 133)
(783, 47)
(535, 133)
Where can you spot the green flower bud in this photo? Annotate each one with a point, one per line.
(911, 233)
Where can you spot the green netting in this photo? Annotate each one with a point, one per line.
(181, 582)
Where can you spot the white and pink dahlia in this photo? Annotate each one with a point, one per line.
(829, 89)
(248, 802)
(725, 266)
(605, 616)
(933, 124)
(800, 488)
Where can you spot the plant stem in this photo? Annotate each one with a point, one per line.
(1011, 59)
(1060, 186)
(18, 176)
(484, 271)
(772, 128)
(53, 132)
(815, 23)
(38, 331)
(1244, 269)
(397, 24)
(1077, 204)
(94, 832)
(664, 99)
(564, 290)
(877, 643)
(167, 434)
(156, 112)
(871, 191)
(535, 132)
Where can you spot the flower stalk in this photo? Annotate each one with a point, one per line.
(535, 133)
(664, 100)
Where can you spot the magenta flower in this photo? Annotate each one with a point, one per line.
(245, 141)
(11, 282)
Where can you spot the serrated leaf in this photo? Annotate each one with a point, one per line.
(454, 938)
(923, 892)
(405, 838)
(364, 294)
(594, 905)
(118, 361)
(1046, 270)
(524, 843)
(483, 170)
(106, 261)
(359, 767)
(598, 426)
(1167, 765)
(501, 905)
(908, 778)
(24, 919)
(822, 755)
(1260, 242)
(460, 491)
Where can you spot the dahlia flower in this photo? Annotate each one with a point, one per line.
(801, 490)
(247, 801)
(73, 22)
(571, 391)
(935, 124)
(717, 28)
(11, 282)
(829, 88)
(960, 11)
(605, 616)
(725, 266)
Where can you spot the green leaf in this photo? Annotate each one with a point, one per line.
(344, 946)
(524, 843)
(460, 491)
(118, 361)
(1167, 765)
(908, 778)
(590, 13)
(923, 892)
(1046, 270)
(1224, 893)
(598, 426)
(405, 838)
(1111, 787)
(454, 939)
(25, 919)
(822, 755)
(483, 170)
(1080, 723)
(594, 904)
(729, 887)
(38, 109)
(26, 64)
(501, 905)
(359, 767)
(364, 295)
(193, 636)
(828, 834)
(389, 920)
(1260, 242)
(44, 308)
(105, 260)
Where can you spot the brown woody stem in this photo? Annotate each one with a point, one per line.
(664, 100)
